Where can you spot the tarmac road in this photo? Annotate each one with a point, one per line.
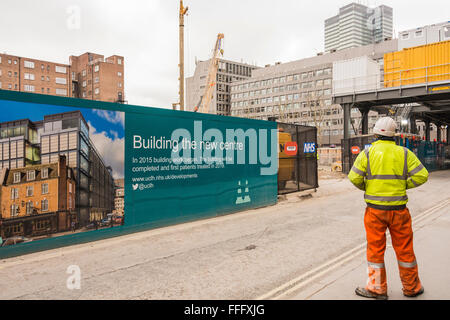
(240, 256)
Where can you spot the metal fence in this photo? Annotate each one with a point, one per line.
(433, 155)
(297, 155)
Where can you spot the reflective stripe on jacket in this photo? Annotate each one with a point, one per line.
(385, 171)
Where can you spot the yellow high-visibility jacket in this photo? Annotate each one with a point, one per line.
(384, 172)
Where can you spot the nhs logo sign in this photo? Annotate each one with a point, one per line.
(309, 147)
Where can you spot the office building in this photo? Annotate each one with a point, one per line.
(358, 25)
(227, 72)
(88, 76)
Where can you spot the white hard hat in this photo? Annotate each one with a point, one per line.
(385, 127)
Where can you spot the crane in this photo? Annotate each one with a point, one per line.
(183, 12)
(203, 104)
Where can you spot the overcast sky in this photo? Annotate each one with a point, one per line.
(146, 33)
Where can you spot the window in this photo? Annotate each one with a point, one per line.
(96, 68)
(61, 80)
(30, 191)
(44, 188)
(44, 205)
(70, 187)
(44, 173)
(84, 83)
(29, 207)
(405, 36)
(83, 73)
(119, 74)
(29, 76)
(97, 90)
(14, 193)
(28, 88)
(31, 175)
(119, 61)
(60, 69)
(61, 92)
(418, 33)
(14, 210)
(28, 64)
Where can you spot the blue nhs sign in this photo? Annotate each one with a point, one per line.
(309, 147)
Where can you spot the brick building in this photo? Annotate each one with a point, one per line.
(37, 199)
(88, 76)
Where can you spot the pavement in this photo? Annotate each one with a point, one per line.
(431, 239)
(308, 246)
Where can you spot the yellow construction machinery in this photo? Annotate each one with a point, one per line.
(205, 100)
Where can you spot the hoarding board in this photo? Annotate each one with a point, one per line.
(75, 171)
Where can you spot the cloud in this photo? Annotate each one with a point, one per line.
(114, 117)
(112, 150)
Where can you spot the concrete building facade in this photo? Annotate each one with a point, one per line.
(88, 76)
(227, 72)
(301, 91)
(358, 25)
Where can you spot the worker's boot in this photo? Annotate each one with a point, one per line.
(418, 293)
(363, 292)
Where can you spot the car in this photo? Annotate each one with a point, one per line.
(15, 240)
(118, 219)
(105, 222)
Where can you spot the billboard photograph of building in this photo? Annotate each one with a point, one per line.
(61, 171)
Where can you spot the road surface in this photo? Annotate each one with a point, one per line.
(249, 255)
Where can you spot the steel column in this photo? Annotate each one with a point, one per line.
(365, 120)
(427, 130)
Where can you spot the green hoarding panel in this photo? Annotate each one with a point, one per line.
(75, 170)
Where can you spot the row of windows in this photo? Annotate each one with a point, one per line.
(283, 79)
(31, 77)
(289, 97)
(286, 108)
(291, 87)
(31, 88)
(30, 191)
(30, 176)
(13, 149)
(59, 142)
(15, 208)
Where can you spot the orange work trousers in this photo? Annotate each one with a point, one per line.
(399, 223)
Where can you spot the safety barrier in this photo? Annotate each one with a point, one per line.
(297, 158)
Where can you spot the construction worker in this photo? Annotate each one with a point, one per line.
(385, 171)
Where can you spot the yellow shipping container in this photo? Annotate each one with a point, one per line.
(421, 64)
